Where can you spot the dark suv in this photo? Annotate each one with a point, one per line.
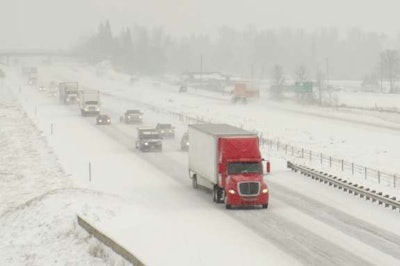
(148, 139)
(103, 120)
(166, 130)
(132, 116)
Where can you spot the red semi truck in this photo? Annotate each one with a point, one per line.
(227, 160)
(241, 92)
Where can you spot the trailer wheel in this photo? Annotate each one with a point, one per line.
(194, 181)
(264, 206)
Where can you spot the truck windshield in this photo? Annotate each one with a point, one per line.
(150, 136)
(244, 167)
(164, 126)
(91, 102)
(131, 112)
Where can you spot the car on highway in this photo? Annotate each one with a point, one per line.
(185, 142)
(42, 88)
(103, 119)
(132, 116)
(166, 130)
(32, 81)
(148, 139)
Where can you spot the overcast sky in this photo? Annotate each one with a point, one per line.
(59, 23)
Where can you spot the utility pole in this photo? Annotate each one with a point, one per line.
(201, 70)
(381, 70)
(252, 76)
(327, 82)
(327, 72)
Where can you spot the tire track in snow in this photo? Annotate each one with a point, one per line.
(378, 238)
(304, 245)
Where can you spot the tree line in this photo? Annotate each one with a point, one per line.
(356, 54)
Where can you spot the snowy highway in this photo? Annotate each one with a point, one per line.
(306, 223)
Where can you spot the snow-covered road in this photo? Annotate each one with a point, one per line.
(306, 223)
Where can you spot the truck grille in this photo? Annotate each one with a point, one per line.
(249, 188)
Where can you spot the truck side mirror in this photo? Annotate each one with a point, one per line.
(268, 167)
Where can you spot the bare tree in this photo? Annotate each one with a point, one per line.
(278, 81)
(390, 62)
(301, 73)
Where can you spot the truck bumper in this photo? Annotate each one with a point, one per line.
(237, 200)
(133, 121)
(151, 148)
(90, 113)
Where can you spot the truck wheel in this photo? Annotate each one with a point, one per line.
(228, 206)
(194, 181)
(215, 194)
(264, 206)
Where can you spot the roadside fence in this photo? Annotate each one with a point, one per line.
(337, 164)
(308, 156)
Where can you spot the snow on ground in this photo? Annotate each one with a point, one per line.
(306, 223)
(371, 100)
(360, 137)
(38, 202)
(161, 214)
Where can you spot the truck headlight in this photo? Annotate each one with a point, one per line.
(265, 191)
(231, 191)
(109, 120)
(146, 143)
(100, 120)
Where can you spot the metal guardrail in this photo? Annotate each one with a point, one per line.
(352, 188)
(312, 157)
(109, 242)
(298, 152)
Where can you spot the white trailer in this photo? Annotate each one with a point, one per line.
(68, 92)
(203, 149)
(89, 102)
(227, 160)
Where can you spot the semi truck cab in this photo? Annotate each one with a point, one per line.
(241, 173)
(228, 161)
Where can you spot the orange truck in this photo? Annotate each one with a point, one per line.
(241, 93)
